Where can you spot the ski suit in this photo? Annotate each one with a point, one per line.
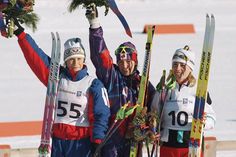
(82, 108)
(177, 117)
(121, 90)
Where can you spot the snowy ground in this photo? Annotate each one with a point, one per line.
(22, 95)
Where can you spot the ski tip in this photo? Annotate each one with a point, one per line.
(212, 16)
(128, 32)
(57, 34)
(53, 35)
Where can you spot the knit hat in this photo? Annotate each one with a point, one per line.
(73, 48)
(127, 51)
(184, 55)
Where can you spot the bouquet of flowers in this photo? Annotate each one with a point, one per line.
(107, 4)
(22, 10)
(76, 3)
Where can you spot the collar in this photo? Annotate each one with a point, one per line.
(78, 75)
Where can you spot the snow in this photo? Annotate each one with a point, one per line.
(22, 96)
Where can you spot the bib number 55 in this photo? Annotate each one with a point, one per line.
(73, 111)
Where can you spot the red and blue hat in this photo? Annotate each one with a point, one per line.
(126, 51)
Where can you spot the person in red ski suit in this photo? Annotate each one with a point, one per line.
(82, 108)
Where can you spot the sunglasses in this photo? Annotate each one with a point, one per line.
(124, 49)
(182, 56)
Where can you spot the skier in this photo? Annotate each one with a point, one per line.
(82, 107)
(179, 105)
(121, 80)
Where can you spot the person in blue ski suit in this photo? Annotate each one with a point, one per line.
(82, 107)
(121, 81)
(178, 101)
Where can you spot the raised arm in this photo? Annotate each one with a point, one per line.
(99, 53)
(37, 60)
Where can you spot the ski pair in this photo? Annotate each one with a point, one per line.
(135, 148)
(44, 149)
(196, 135)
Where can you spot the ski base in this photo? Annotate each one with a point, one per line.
(44, 149)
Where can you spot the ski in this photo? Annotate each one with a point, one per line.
(196, 135)
(135, 148)
(44, 149)
(114, 8)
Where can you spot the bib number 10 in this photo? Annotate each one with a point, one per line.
(73, 110)
(181, 118)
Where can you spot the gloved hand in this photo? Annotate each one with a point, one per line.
(92, 15)
(18, 28)
(94, 146)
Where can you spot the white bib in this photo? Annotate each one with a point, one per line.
(178, 110)
(72, 102)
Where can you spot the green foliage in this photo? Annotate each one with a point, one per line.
(30, 20)
(166, 83)
(76, 3)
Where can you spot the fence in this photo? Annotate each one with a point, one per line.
(210, 149)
